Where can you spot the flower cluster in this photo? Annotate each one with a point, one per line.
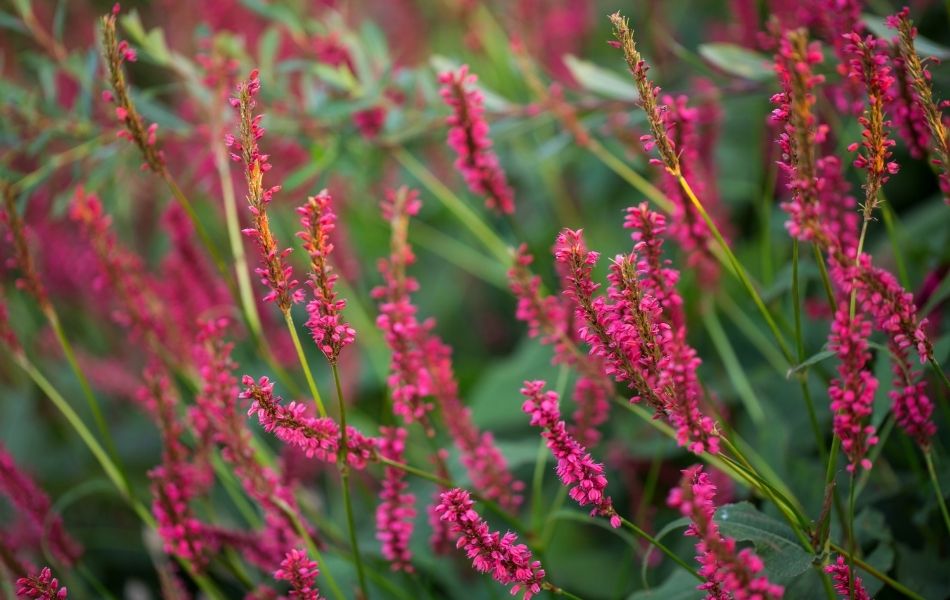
(275, 274)
(852, 393)
(396, 511)
(468, 136)
(728, 573)
(509, 562)
(43, 585)
(330, 332)
(301, 573)
(575, 466)
(841, 574)
(21, 258)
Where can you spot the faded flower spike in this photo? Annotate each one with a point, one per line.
(468, 136)
(276, 274)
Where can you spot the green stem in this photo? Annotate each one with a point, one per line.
(91, 399)
(851, 540)
(890, 225)
(825, 278)
(800, 346)
(494, 244)
(928, 458)
(560, 591)
(661, 547)
(731, 363)
(736, 267)
(345, 477)
(637, 181)
(289, 319)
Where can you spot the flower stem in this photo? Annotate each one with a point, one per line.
(736, 266)
(345, 477)
(928, 458)
(289, 319)
(661, 547)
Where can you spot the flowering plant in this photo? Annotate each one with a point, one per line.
(437, 385)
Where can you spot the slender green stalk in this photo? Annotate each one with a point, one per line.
(637, 181)
(289, 319)
(91, 399)
(560, 591)
(825, 278)
(890, 225)
(494, 244)
(661, 547)
(851, 540)
(736, 266)
(345, 477)
(731, 363)
(928, 458)
(800, 347)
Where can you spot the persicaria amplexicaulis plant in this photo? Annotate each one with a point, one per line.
(435, 391)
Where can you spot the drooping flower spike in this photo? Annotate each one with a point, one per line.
(575, 467)
(509, 562)
(396, 511)
(729, 573)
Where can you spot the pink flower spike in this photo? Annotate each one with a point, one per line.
(509, 563)
(301, 573)
(841, 575)
(468, 136)
(728, 574)
(396, 511)
(330, 332)
(43, 586)
(575, 467)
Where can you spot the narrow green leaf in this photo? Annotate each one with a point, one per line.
(738, 61)
(812, 360)
(600, 80)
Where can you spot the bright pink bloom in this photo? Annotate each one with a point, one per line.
(575, 467)
(729, 574)
(301, 572)
(396, 511)
(317, 437)
(43, 586)
(41, 527)
(330, 332)
(852, 393)
(913, 410)
(509, 563)
(275, 273)
(841, 574)
(468, 136)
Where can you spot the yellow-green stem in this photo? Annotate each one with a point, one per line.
(736, 267)
(661, 547)
(345, 477)
(289, 319)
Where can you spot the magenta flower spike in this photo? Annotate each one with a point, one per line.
(729, 573)
(301, 572)
(468, 136)
(841, 576)
(575, 467)
(396, 510)
(509, 562)
(330, 332)
(42, 585)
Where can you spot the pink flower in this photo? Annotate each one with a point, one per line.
(330, 332)
(841, 574)
(575, 466)
(395, 513)
(591, 399)
(728, 574)
(509, 563)
(852, 393)
(43, 586)
(468, 136)
(301, 572)
(275, 273)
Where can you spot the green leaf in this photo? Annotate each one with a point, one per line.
(814, 359)
(924, 46)
(679, 586)
(738, 61)
(774, 542)
(601, 81)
